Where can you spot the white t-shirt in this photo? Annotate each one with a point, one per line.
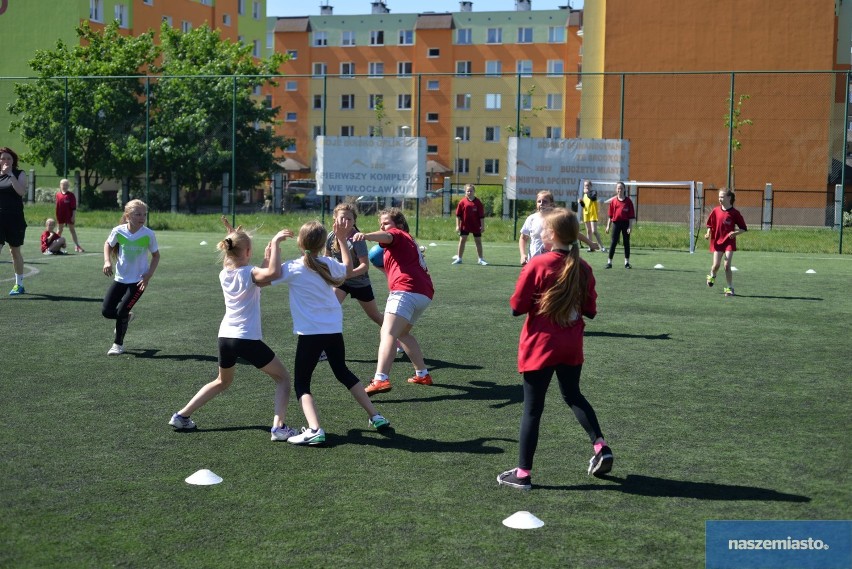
(242, 304)
(313, 305)
(532, 227)
(132, 252)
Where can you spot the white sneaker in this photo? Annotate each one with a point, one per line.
(181, 423)
(456, 260)
(115, 350)
(482, 262)
(283, 433)
(308, 437)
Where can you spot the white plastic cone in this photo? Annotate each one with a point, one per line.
(734, 269)
(203, 243)
(433, 244)
(522, 520)
(203, 477)
(810, 272)
(658, 266)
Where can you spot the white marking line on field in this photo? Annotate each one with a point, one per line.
(32, 272)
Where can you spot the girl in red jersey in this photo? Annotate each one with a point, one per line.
(66, 211)
(722, 232)
(622, 214)
(410, 293)
(555, 290)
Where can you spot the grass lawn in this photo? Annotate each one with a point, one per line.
(716, 409)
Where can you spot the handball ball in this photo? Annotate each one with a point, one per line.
(377, 256)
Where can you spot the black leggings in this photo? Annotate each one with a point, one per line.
(619, 228)
(535, 390)
(119, 300)
(308, 350)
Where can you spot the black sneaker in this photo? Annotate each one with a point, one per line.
(608, 266)
(601, 463)
(627, 266)
(510, 478)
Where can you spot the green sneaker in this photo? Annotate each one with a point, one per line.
(711, 280)
(379, 422)
(16, 290)
(729, 291)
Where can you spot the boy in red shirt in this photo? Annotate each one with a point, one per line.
(470, 218)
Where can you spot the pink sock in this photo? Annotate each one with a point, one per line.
(521, 473)
(599, 446)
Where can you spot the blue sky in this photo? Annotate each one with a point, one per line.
(343, 7)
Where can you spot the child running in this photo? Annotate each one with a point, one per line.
(555, 290)
(240, 333)
(410, 293)
(722, 232)
(318, 322)
(130, 243)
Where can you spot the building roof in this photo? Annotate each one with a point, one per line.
(296, 24)
(434, 21)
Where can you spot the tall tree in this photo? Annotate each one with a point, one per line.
(207, 88)
(94, 89)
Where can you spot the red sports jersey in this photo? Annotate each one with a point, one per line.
(721, 222)
(405, 266)
(621, 210)
(47, 238)
(544, 343)
(66, 203)
(471, 214)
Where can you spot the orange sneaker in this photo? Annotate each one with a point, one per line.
(426, 380)
(378, 386)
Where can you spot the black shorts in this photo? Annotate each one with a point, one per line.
(255, 352)
(362, 293)
(13, 228)
(466, 233)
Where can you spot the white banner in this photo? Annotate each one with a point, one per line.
(560, 165)
(371, 166)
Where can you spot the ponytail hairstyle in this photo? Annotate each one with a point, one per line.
(563, 302)
(343, 206)
(233, 246)
(311, 240)
(731, 195)
(397, 217)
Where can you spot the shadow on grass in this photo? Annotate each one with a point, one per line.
(621, 335)
(154, 354)
(638, 485)
(57, 298)
(389, 438)
(432, 363)
(780, 297)
(198, 430)
(503, 395)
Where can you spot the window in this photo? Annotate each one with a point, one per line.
(406, 37)
(293, 54)
(431, 117)
(555, 67)
(267, 101)
(121, 15)
(347, 130)
(403, 102)
(554, 101)
(257, 90)
(148, 2)
(377, 37)
(524, 67)
(434, 52)
(347, 38)
(206, 2)
(320, 39)
(526, 132)
(185, 26)
(464, 36)
(431, 149)
(255, 48)
(291, 86)
(525, 35)
(463, 101)
(347, 101)
(374, 131)
(375, 100)
(556, 34)
(319, 101)
(463, 68)
(320, 69)
(463, 132)
(96, 10)
(347, 69)
(493, 101)
(226, 19)
(492, 166)
(494, 35)
(167, 20)
(255, 10)
(526, 102)
(463, 165)
(492, 134)
(270, 41)
(291, 147)
(290, 117)
(433, 85)
(318, 131)
(494, 67)
(554, 132)
(241, 7)
(376, 69)
(404, 68)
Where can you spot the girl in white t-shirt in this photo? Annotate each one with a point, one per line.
(240, 331)
(318, 322)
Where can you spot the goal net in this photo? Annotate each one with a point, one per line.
(673, 204)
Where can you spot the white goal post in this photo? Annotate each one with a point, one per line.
(664, 202)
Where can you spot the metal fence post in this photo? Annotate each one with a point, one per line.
(225, 192)
(125, 191)
(277, 191)
(78, 187)
(31, 185)
(447, 194)
(838, 206)
(174, 187)
(766, 217)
